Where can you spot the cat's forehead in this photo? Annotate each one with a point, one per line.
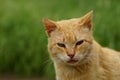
(65, 36)
(68, 23)
(68, 29)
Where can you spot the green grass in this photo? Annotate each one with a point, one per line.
(23, 42)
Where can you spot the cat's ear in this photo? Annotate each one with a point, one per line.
(49, 26)
(86, 20)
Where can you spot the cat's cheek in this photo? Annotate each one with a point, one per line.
(52, 51)
(79, 55)
(56, 52)
(61, 54)
(63, 57)
(81, 51)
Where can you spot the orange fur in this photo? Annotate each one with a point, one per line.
(76, 55)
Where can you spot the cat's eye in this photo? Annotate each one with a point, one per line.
(79, 42)
(61, 45)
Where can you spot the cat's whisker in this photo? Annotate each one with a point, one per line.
(47, 60)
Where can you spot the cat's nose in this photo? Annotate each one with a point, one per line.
(71, 55)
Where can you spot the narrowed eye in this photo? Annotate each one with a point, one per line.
(61, 45)
(79, 42)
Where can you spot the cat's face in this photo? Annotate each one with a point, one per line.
(69, 41)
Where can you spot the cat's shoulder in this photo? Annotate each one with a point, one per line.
(111, 54)
(109, 50)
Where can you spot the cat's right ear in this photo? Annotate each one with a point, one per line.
(49, 26)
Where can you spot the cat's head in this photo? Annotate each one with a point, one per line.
(69, 41)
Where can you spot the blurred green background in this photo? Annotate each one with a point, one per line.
(23, 42)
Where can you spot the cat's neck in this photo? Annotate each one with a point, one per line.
(66, 71)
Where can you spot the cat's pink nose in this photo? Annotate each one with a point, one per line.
(71, 55)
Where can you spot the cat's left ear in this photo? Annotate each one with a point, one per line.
(49, 26)
(87, 20)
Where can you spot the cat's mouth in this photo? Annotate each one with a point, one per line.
(72, 61)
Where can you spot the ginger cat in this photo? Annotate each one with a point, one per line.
(75, 53)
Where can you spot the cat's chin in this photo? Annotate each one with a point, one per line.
(72, 62)
(75, 63)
